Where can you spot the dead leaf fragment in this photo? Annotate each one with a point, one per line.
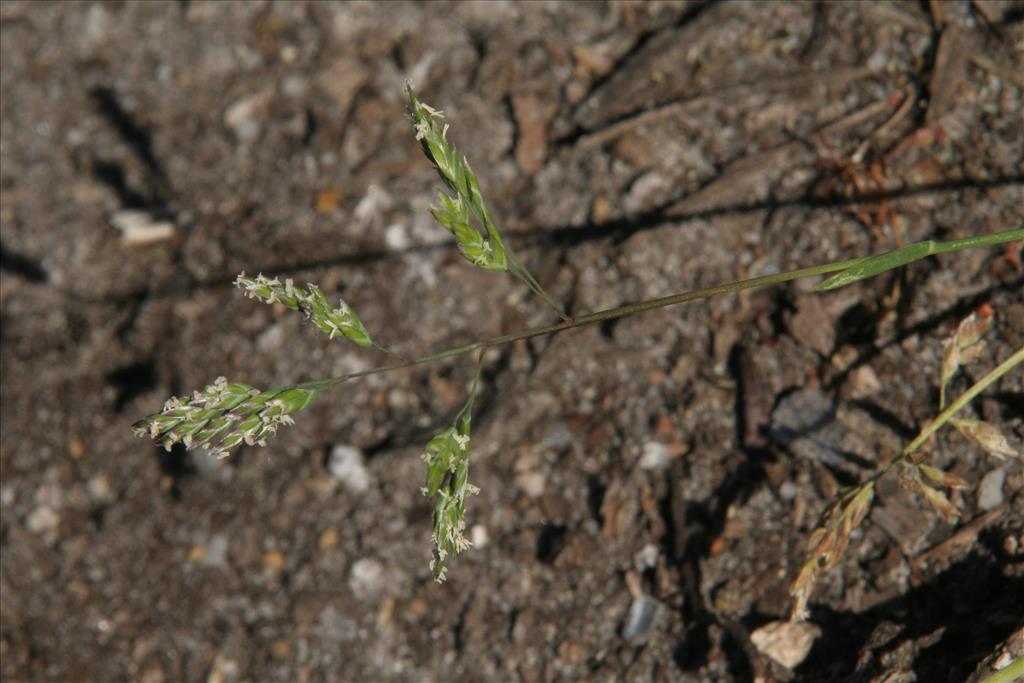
(532, 115)
(811, 325)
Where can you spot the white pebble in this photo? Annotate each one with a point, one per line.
(655, 456)
(365, 579)
(478, 536)
(646, 558)
(346, 465)
(41, 519)
(99, 489)
(990, 490)
(139, 228)
(396, 237)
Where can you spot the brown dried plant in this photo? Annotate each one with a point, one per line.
(830, 539)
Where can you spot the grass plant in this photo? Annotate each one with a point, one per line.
(224, 416)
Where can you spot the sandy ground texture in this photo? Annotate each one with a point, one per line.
(647, 486)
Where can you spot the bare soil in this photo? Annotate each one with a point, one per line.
(648, 486)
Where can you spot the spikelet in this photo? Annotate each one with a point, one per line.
(447, 458)
(223, 416)
(312, 302)
(482, 245)
(962, 348)
(828, 542)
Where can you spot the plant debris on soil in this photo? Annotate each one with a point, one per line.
(647, 486)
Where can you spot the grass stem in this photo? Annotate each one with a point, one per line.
(672, 300)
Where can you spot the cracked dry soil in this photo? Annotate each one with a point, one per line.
(644, 503)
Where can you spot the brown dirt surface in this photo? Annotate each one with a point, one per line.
(645, 500)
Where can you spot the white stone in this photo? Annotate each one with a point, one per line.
(41, 519)
(646, 558)
(346, 465)
(655, 456)
(531, 483)
(396, 237)
(139, 228)
(478, 536)
(374, 203)
(365, 579)
(990, 490)
(99, 489)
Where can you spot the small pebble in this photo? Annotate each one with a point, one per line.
(558, 438)
(787, 642)
(329, 540)
(96, 27)
(334, 625)
(365, 579)
(346, 465)
(374, 203)
(1012, 544)
(396, 237)
(224, 670)
(295, 86)
(42, 519)
(216, 552)
(655, 456)
(647, 190)
(531, 483)
(990, 490)
(478, 536)
(273, 561)
(289, 53)
(804, 422)
(646, 558)
(863, 382)
(643, 613)
(281, 649)
(99, 489)
(243, 116)
(140, 228)
(328, 200)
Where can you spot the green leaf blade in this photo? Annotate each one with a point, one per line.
(877, 265)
